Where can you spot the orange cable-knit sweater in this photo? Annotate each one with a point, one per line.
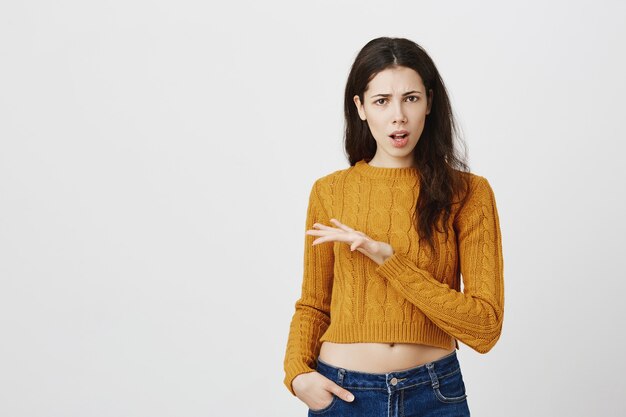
(414, 296)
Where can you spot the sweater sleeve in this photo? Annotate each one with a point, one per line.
(474, 316)
(312, 309)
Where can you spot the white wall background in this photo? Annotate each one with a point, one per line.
(155, 163)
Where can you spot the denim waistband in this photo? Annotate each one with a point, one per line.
(427, 373)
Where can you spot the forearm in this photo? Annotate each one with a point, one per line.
(474, 318)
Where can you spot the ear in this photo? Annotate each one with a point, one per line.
(359, 107)
(430, 101)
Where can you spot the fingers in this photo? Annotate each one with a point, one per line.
(342, 393)
(327, 233)
(321, 230)
(326, 236)
(364, 244)
(329, 236)
(356, 239)
(357, 242)
(341, 225)
(323, 226)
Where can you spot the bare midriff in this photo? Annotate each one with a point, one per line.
(380, 357)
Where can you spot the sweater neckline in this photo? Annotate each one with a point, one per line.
(368, 170)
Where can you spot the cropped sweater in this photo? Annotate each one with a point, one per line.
(414, 296)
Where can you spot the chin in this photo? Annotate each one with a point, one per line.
(408, 149)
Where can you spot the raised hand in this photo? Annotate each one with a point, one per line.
(373, 249)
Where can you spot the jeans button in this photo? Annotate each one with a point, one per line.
(394, 381)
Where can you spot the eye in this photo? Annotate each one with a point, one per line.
(415, 97)
(377, 101)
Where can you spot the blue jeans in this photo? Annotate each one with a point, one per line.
(434, 389)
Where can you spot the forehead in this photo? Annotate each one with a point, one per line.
(396, 80)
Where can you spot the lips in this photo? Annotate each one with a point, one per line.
(399, 134)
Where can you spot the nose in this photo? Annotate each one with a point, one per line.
(398, 115)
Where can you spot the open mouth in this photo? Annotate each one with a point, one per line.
(399, 137)
(399, 141)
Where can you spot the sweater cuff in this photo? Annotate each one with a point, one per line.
(393, 266)
(292, 371)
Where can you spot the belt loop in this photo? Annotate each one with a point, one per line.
(340, 375)
(433, 375)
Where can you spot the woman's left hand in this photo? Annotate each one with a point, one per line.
(375, 250)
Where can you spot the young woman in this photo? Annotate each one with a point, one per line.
(376, 329)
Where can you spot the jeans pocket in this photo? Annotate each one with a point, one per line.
(338, 379)
(326, 408)
(451, 388)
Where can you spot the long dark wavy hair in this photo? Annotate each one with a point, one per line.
(442, 171)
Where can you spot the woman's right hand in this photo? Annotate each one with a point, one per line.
(316, 391)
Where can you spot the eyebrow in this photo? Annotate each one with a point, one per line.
(405, 94)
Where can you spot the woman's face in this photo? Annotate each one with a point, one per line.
(395, 99)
